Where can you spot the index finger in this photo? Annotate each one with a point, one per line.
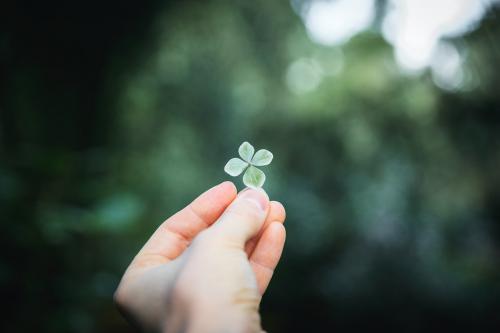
(174, 235)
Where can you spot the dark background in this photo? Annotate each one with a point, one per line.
(114, 115)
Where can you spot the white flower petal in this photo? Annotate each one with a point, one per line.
(262, 157)
(254, 177)
(235, 167)
(246, 151)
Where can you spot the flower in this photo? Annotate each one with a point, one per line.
(253, 176)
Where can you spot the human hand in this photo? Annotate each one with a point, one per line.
(206, 268)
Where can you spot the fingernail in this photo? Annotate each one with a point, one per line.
(257, 196)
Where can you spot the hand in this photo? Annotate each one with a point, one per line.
(206, 268)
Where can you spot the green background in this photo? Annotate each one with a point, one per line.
(115, 115)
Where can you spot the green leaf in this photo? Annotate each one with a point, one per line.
(246, 151)
(262, 157)
(253, 177)
(235, 166)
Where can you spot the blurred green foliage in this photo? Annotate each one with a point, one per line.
(391, 184)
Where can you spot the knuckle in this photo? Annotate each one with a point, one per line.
(247, 298)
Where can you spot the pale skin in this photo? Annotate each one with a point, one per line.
(206, 268)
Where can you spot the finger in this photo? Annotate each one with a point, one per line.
(276, 214)
(176, 233)
(267, 254)
(243, 218)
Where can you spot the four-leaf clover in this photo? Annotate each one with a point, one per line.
(253, 176)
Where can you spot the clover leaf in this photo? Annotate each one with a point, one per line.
(250, 160)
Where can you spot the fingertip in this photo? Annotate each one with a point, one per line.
(277, 232)
(229, 185)
(257, 195)
(278, 212)
(281, 207)
(212, 203)
(245, 216)
(228, 188)
(260, 189)
(223, 193)
(270, 246)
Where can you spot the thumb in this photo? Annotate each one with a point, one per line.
(244, 217)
